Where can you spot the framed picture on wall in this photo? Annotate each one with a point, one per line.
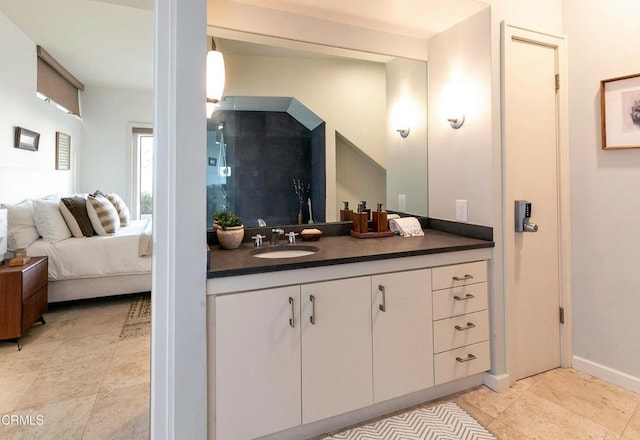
(620, 112)
(63, 151)
(26, 139)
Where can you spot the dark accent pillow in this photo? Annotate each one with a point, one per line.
(77, 207)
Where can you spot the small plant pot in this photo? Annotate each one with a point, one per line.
(230, 238)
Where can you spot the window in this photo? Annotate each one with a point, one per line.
(142, 170)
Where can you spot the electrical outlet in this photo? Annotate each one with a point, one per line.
(402, 202)
(224, 171)
(461, 210)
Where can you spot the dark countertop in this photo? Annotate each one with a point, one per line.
(338, 250)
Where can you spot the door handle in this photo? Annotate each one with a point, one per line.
(383, 306)
(312, 318)
(291, 322)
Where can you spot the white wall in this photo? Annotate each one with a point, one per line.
(407, 157)
(604, 189)
(460, 160)
(106, 154)
(23, 173)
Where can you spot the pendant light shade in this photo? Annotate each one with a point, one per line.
(215, 79)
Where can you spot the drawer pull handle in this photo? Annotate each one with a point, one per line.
(469, 326)
(383, 306)
(291, 323)
(464, 278)
(312, 318)
(470, 357)
(467, 296)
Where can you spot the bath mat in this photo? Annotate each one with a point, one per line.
(138, 322)
(446, 421)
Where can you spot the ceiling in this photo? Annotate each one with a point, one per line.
(110, 42)
(417, 18)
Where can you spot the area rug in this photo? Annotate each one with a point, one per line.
(446, 421)
(138, 322)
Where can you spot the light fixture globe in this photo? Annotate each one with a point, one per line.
(215, 76)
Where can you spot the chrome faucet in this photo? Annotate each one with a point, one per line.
(292, 237)
(275, 236)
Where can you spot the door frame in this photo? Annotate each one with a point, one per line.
(558, 42)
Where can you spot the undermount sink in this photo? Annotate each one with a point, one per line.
(288, 251)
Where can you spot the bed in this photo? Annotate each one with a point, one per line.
(94, 249)
(97, 266)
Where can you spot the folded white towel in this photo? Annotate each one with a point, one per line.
(406, 227)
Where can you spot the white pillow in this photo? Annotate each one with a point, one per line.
(121, 207)
(49, 221)
(103, 215)
(21, 225)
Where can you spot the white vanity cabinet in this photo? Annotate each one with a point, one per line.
(258, 374)
(294, 351)
(336, 347)
(402, 336)
(461, 321)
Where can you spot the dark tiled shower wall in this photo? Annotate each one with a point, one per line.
(266, 151)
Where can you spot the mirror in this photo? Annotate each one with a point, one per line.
(323, 117)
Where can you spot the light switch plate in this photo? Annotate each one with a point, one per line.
(402, 202)
(461, 210)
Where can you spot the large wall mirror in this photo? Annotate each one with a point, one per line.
(304, 125)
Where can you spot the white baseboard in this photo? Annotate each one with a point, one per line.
(616, 377)
(497, 382)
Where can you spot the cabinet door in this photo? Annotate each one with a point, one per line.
(336, 348)
(402, 333)
(257, 363)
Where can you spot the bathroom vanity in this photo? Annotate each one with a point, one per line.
(302, 345)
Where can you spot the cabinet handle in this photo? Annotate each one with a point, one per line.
(467, 296)
(469, 326)
(464, 278)
(383, 306)
(312, 318)
(291, 322)
(470, 357)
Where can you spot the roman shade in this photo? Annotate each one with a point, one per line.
(57, 83)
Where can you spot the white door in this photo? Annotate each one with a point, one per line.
(336, 347)
(257, 363)
(532, 149)
(402, 333)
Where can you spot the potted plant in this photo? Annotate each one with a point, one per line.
(229, 229)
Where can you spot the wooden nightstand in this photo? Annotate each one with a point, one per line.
(23, 297)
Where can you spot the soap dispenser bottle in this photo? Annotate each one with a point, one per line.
(365, 209)
(379, 222)
(345, 213)
(360, 223)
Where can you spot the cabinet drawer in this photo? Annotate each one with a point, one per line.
(34, 278)
(462, 362)
(459, 331)
(446, 277)
(459, 300)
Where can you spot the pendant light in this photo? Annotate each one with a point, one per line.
(215, 78)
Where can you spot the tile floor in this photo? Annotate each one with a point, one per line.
(76, 377)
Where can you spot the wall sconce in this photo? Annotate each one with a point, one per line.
(456, 121)
(215, 78)
(401, 118)
(404, 131)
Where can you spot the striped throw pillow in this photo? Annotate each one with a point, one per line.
(74, 211)
(121, 207)
(103, 215)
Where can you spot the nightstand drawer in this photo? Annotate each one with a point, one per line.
(446, 277)
(34, 278)
(459, 331)
(462, 362)
(459, 300)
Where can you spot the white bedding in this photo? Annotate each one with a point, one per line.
(96, 256)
